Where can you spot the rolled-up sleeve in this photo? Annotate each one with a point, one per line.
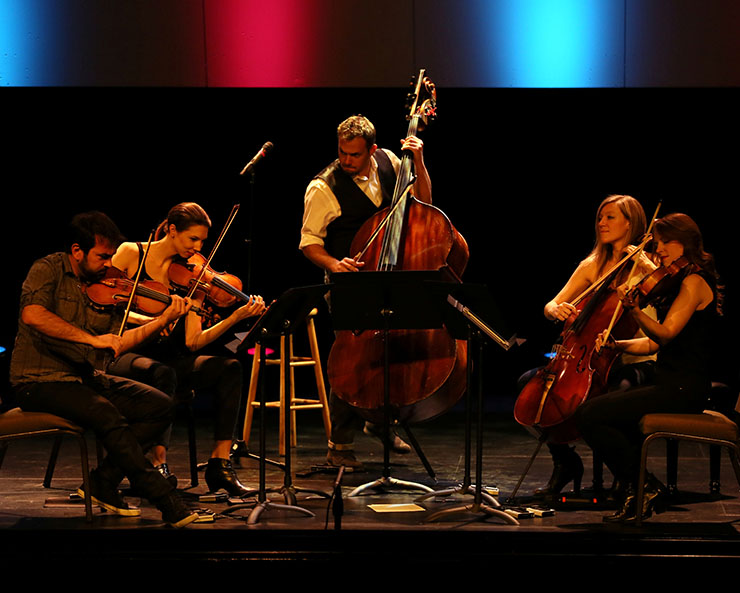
(320, 208)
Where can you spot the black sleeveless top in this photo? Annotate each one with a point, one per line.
(165, 347)
(686, 360)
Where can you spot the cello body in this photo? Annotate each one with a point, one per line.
(575, 373)
(427, 367)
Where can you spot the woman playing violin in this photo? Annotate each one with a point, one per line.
(172, 363)
(619, 226)
(682, 339)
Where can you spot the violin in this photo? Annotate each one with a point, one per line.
(220, 288)
(663, 282)
(114, 289)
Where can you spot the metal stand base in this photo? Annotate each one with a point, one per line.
(389, 482)
(266, 505)
(463, 490)
(476, 508)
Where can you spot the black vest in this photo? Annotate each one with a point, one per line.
(355, 205)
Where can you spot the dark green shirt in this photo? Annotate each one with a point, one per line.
(52, 284)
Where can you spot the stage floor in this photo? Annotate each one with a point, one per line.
(696, 528)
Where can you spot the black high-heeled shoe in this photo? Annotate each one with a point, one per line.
(220, 474)
(568, 467)
(653, 499)
(627, 509)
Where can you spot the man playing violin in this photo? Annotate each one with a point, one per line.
(53, 370)
(173, 362)
(338, 201)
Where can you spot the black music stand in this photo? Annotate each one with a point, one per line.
(280, 320)
(385, 301)
(471, 326)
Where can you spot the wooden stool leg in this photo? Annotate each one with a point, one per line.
(283, 354)
(314, 344)
(252, 394)
(293, 415)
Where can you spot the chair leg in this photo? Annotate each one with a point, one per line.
(52, 460)
(671, 466)
(192, 447)
(641, 480)
(3, 449)
(85, 477)
(715, 452)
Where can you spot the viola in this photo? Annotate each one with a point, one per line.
(114, 289)
(426, 367)
(220, 288)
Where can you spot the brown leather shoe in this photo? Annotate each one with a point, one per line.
(345, 458)
(396, 444)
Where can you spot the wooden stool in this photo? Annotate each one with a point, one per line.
(295, 403)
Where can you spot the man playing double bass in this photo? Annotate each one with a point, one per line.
(338, 201)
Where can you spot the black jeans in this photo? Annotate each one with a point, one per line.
(125, 415)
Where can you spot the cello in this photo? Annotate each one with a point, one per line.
(578, 370)
(427, 367)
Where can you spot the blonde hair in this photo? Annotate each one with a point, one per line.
(633, 212)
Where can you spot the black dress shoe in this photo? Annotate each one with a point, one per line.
(220, 474)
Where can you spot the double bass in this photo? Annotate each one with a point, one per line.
(427, 367)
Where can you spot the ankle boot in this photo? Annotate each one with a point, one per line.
(220, 474)
(568, 467)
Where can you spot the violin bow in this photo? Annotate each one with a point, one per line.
(388, 216)
(135, 286)
(638, 253)
(217, 244)
(645, 240)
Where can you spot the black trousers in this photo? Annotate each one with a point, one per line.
(178, 376)
(610, 423)
(125, 415)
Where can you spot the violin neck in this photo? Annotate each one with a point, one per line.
(233, 291)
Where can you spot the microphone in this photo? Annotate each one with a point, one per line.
(266, 147)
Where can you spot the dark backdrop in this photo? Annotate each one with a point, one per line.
(519, 172)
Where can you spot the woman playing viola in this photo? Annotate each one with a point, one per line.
(620, 224)
(172, 363)
(682, 338)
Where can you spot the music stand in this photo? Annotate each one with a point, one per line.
(471, 326)
(280, 320)
(385, 301)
